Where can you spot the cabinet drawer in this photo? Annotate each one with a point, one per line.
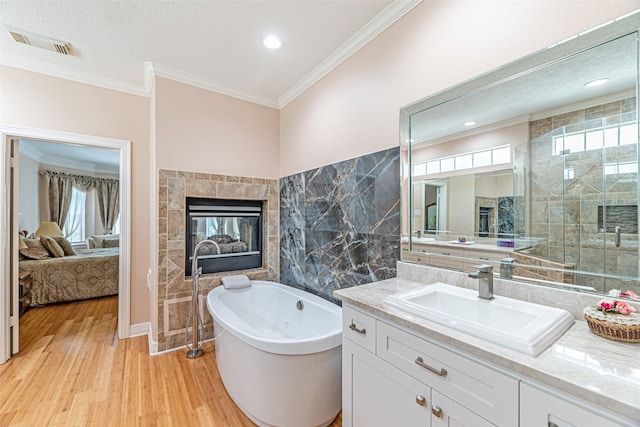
(486, 255)
(415, 257)
(445, 261)
(359, 328)
(538, 408)
(482, 390)
(438, 250)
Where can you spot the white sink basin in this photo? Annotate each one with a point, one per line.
(519, 325)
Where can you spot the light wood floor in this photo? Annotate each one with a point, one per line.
(72, 370)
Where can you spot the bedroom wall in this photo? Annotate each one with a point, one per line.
(354, 110)
(28, 206)
(40, 101)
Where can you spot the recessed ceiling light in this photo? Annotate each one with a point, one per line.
(272, 42)
(469, 123)
(595, 83)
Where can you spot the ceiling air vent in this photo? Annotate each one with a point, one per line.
(41, 41)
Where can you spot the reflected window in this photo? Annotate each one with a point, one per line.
(433, 167)
(464, 162)
(447, 165)
(501, 155)
(474, 159)
(596, 139)
(482, 158)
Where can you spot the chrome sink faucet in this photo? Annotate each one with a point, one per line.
(485, 280)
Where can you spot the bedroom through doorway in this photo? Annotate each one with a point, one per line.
(69, 227)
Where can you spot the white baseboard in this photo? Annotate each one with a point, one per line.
(153, 345)
(140, 329)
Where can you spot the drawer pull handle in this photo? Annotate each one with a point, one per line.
(354, 328)
(437, 411)
(420, 400)
(552, 424)
(442, 372)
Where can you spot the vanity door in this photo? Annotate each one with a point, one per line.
(381, 395)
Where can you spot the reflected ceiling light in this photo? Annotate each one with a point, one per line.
(272, 42)
(469, 123)
(595, 83)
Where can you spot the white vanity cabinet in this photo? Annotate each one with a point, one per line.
(539, 408)
(404, 380)
(394, 377)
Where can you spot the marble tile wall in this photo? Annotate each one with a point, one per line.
(340, 224)
(174, 291)
(564, 208)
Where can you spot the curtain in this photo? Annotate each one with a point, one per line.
(59, 189)
(108, 202)
(73, 227)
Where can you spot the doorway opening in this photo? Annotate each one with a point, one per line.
(15, 221)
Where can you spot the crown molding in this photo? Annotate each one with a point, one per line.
(59, 71)
(30, 151)
(157, 70)
(377, 25)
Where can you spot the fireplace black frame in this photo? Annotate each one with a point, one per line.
(199, 206)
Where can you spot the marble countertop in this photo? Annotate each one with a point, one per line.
(600, 371)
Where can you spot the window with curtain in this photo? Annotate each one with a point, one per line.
(116, 226)
(74, 227)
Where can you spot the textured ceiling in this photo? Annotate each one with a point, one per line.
(218, 42)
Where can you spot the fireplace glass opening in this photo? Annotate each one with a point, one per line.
(235, 225)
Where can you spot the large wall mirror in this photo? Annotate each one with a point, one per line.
(532, 168)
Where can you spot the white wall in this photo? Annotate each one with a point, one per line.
(202, 131)
(28, 206)
(494, 185)
(44, 102)
(462, 204)
(354, 110)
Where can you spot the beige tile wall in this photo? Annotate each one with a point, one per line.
(174, 291)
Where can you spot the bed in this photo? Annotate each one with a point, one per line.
(90, 273)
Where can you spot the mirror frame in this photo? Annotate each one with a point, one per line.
(619, 27)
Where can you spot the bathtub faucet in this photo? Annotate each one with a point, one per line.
(196, 350)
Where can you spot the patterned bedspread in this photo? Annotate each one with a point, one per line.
(88, 274)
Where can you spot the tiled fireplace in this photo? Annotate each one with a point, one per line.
(174, 288)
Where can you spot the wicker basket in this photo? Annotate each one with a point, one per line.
(628, 330)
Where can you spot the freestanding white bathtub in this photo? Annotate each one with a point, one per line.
(279, 353)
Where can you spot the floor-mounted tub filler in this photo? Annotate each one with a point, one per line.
(279, 353)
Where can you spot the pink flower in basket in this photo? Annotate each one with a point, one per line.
(612, 306)
(607, 305)
(624, 308)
